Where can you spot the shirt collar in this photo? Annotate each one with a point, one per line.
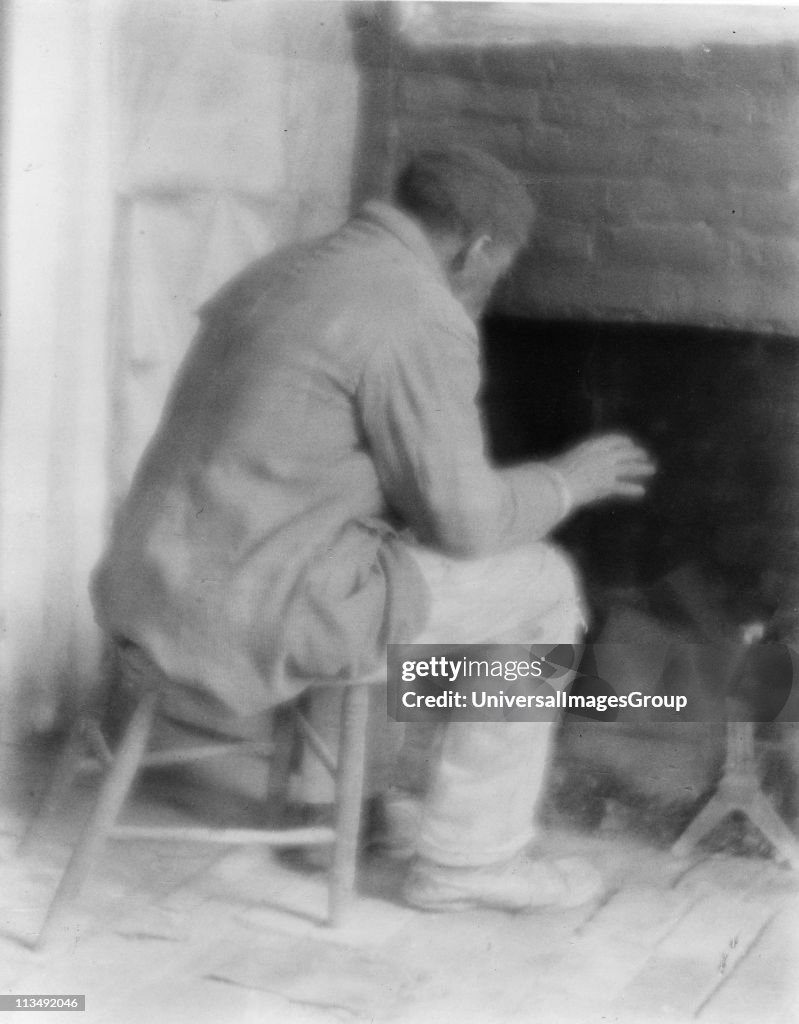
(406, 231)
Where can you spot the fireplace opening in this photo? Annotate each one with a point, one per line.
(716, 408)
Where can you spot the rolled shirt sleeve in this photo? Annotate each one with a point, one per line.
(422, 424)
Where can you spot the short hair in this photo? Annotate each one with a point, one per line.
(464, 191)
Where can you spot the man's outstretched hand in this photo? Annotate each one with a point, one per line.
(608, 466)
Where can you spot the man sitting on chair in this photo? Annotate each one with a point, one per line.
(318, 488)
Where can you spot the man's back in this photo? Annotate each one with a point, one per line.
(254, 550)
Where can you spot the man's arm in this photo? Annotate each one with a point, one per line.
(418, 403)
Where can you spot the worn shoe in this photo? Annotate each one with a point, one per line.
(517, 885)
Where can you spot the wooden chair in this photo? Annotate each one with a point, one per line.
(131, 756)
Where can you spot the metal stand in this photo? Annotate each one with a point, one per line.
(739, 789)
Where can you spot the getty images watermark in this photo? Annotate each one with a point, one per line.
(665, 681)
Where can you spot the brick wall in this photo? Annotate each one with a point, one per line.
(667, 178)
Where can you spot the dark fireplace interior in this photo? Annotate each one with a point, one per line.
(717, 409)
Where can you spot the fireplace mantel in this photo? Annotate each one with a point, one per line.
(434, 24)
(659, 143)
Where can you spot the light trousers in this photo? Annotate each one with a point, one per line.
(479, 782)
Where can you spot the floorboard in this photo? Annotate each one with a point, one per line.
(174, 933)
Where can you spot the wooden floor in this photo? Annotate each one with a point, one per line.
(185, 933)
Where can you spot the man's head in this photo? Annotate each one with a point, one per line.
(475, 212)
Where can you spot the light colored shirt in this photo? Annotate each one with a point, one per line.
(325, 420)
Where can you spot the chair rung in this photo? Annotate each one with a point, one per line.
(315, 836)
(186, 755)
(163, 758)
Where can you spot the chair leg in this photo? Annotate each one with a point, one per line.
(349, 793)
(112, 796)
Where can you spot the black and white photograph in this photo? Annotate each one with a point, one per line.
(399, 512)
